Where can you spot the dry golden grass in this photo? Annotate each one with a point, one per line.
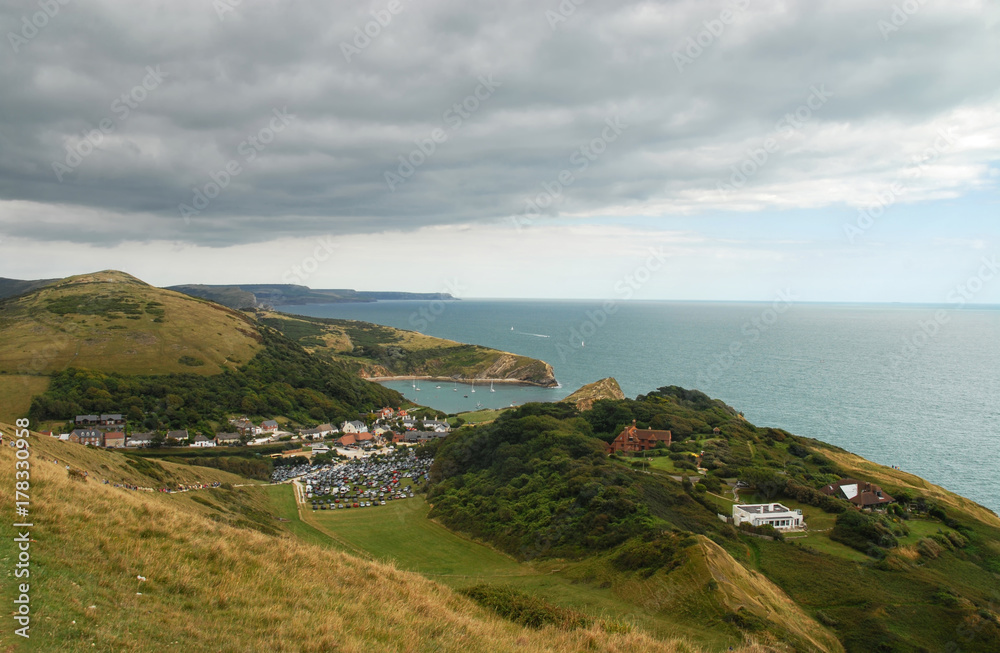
(16, 391)
(34, 340)
(213, 587)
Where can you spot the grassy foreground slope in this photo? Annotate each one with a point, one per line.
(112, 322)
(212, 585)
(380, 351)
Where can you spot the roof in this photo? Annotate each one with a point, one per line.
(346, 439)
(114, 434)
(227, 436)
(269, 422)
(86, 433)
(141, 436)
(92, 418)
(764, 508)
(645, 434)
(112, 416)
(200, 438)
(178, 435)
(860, 493)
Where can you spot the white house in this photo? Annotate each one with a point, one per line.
(202, 441)
(353, 427)
(436, 426)
(774, 514)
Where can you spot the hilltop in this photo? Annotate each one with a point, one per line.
(378, 351)
(222, 573)
(112, 322)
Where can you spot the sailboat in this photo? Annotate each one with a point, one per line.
(491, 387)
(473, 385)
(416, 386)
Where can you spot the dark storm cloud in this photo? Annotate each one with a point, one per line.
(217, 79)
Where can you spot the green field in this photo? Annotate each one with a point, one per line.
(400, 532)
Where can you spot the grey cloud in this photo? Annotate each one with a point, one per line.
(325, 171)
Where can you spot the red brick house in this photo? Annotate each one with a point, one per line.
(635, 439)
(114, 439)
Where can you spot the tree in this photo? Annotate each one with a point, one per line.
(767, 482)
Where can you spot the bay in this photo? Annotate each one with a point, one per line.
(913, 386)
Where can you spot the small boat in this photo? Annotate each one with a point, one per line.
(473, 385)
(438, 387)
(466, 396)
(416, 386)
(491, 387)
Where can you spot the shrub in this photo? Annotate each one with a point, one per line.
(524, 609)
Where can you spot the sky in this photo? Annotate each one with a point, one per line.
(840, 151)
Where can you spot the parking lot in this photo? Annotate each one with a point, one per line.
(356, 484)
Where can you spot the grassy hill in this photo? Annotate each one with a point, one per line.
(112, 322)
(381, 351)
(924, 576)
(109, 343)
(224, 574)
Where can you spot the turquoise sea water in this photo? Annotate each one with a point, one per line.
(889, 382)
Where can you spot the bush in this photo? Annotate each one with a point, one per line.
(524, 609)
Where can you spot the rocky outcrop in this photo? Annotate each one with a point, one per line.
(585, 397)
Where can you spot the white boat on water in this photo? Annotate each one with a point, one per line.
(491, 387)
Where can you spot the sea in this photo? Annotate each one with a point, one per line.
(911, 386)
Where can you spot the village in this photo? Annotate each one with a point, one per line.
(351, 438)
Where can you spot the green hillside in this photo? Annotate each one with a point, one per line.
(381, 351)
(109, 343)
(536, 484)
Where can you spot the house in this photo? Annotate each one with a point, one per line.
(716, 431)
(269, 426)
(201, 441)
(113, 419)
(319, 432)
(364, 436)
(93, 437)
(140, 440)
(861, 494)
(769, 514)
(114, 439)
(353, 427)
(436, 426)
(227, 439)
(245, 427)
(346, 440)
(635, 439)
(180, 436)
(380, 430)
(87, 420)
(386, 413)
